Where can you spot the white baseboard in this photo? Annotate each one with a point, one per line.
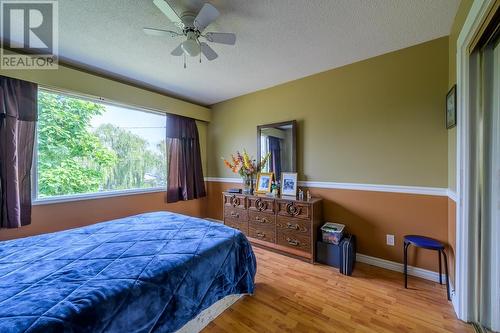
(398, 267)
(393, 266)
(454, 298)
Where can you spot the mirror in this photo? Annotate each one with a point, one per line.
(280, 140)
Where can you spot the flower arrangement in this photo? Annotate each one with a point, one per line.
(244, 165)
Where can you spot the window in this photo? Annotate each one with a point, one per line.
(89, 147)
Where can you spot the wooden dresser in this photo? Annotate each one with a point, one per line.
(289, 226)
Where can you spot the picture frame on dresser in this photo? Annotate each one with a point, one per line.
(264, 182)
(289, 184)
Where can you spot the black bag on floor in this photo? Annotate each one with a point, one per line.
(347, 254)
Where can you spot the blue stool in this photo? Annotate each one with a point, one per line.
(430, 244)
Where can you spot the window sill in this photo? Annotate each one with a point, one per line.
(94, 196)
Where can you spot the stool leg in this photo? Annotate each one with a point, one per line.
(440, 273)
(447, 276)
(405, 250)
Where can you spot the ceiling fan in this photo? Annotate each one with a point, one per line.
(192, 27)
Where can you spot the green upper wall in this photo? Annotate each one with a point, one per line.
(378, 121)
(458, 23)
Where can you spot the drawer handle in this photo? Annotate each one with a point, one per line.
(261, 220)
(291, 209)
(234, 201)
(233, 214)
(292, 226)
(261, 235)
(293, 242)
(260, 205)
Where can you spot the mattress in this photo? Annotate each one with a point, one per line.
(152, 272)
(202, 320)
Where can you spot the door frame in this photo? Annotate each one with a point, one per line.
(464, 301)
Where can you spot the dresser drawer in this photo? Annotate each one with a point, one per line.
(235, 201)
(262, 232)
(265, 205)
(296, 226)
(236, 224)
(293, 240)
(236, 214)
(261, 219)
(294, 209)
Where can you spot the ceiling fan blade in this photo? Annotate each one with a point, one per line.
(208, 51)
(160, 32)
(178, 51)
(169, 12)
(227, 38)
(207, 15)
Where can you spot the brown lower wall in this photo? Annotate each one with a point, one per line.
(370, 216)
(61, 216)
(367, 214)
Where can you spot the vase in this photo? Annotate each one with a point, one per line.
(247, 184)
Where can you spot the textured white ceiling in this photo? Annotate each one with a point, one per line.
(277, 40)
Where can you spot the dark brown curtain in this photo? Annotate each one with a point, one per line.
(18, 115)
(185, 175)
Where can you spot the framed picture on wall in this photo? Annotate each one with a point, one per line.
(451, 107)
(289, 184)
(264, 182)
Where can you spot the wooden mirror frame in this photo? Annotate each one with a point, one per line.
(294, 142)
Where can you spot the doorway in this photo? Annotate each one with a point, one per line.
(478, 229)
(486, 201)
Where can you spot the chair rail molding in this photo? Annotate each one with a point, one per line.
(421, 190)
(452, 194)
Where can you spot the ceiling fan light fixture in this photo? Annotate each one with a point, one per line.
(192, 28)
(191, 47)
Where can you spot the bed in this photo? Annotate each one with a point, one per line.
(152, 272)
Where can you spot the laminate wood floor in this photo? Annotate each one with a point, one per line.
(294, 296)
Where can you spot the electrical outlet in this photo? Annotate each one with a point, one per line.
(390, 240)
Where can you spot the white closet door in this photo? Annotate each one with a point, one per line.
(495, 195)
(488, 176)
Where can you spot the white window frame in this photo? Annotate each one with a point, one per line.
(85, 196)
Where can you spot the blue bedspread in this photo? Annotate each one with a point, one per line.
(150, 272)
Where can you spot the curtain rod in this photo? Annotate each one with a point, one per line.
(103, 100)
